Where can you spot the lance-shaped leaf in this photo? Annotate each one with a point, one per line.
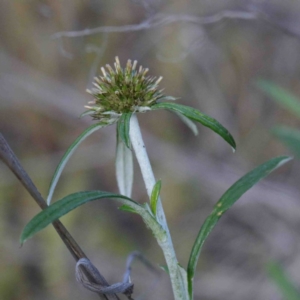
(67, 156)
(195, 115)
(123, 128)
(65, 205)
(225, 202)
(283, 97)
(290, 137)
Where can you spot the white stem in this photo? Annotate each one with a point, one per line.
(146, 169)
(137, 142)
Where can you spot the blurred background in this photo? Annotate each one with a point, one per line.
(211, 55)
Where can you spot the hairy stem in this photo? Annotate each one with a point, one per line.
(165, 240)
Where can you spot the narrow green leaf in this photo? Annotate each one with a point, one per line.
(154, 196)
(67, 156)
(123, 128)
(283, 97)
(283, 283)
(290, 137)
(226, 201)
(195, 115)
(65, 205)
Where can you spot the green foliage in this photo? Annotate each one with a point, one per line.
(118, 101)
(128, 208)
(195, 115)
(65, 205)
(290, 137)
(225, 202)
(67, 156)
(154, 196)
(123, 128)
(124, 167)
(283, 283)
(284, 98)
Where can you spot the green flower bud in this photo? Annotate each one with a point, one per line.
(120, 91)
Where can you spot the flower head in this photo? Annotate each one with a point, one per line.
(120, 91)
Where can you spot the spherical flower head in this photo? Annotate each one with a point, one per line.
(121, 91)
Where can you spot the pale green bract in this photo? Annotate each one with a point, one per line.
(123, 128)
(124, 168)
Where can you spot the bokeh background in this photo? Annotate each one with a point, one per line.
(210, 53)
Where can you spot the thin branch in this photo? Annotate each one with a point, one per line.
(282, 26)
(99, 51)
(160, 20)
(99, 284)
(10, 159)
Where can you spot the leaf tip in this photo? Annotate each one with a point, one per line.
(284, 160)
(22, 240)
(164, 268)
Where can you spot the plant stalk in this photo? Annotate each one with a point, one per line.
(165, 242)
